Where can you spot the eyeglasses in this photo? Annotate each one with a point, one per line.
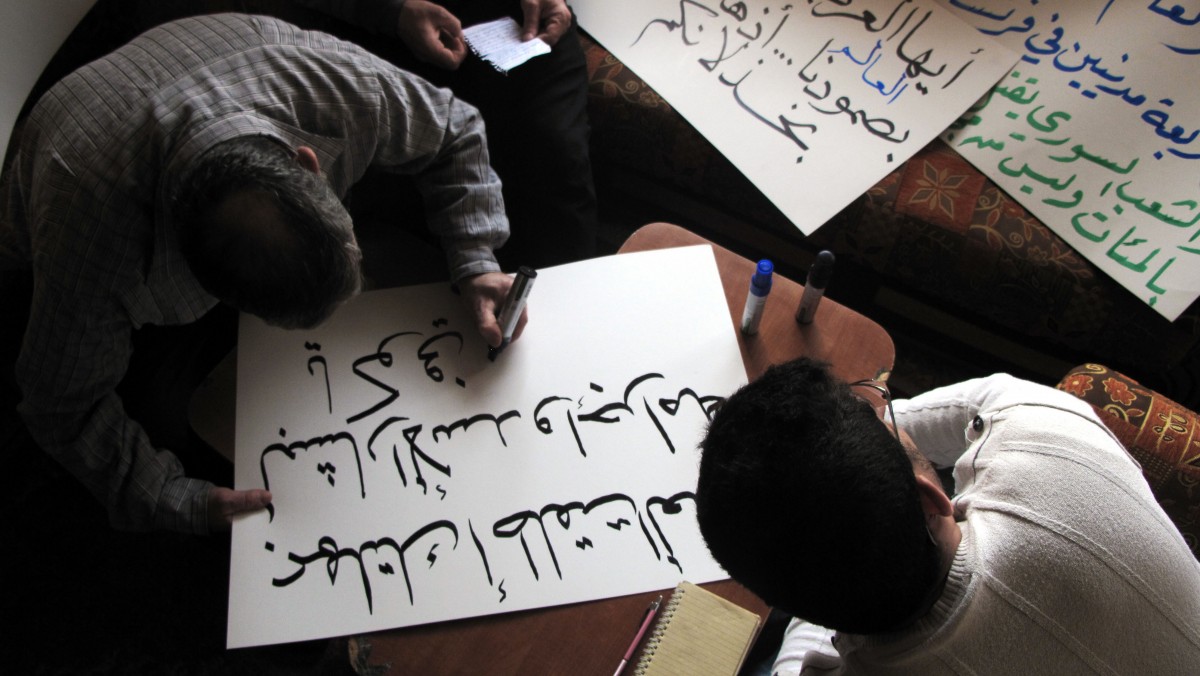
(879, 384)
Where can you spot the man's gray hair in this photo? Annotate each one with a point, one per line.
(292, 270)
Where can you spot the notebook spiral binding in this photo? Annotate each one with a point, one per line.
(656, 636)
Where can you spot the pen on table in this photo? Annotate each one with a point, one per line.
(514, 304)
(646, 620)
(814, 287)
(756, 299)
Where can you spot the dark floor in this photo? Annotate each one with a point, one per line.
(81, 598)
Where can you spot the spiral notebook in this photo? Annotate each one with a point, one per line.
(698, 634)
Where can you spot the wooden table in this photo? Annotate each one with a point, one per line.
(583, 639)
(854, 346)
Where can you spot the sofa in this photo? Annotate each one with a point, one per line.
(935, 242)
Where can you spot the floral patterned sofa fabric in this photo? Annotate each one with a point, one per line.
(935, 226)
(1162, 435)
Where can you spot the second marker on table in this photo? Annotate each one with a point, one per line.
(756, 299)
(814, 287)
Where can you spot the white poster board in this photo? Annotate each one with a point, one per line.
(1095, 133)
(814, 102)
(416, 481)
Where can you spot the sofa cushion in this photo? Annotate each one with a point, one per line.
(1159, 433)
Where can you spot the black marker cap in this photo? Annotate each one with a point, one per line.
(821, 270)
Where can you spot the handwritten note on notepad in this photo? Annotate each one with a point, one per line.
(699, 634)
(499, 43)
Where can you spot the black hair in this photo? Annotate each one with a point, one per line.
(807, 499)
(291, 263)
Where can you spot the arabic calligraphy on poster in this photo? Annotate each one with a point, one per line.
(814, 102)
(1095, 132)
(416, 481)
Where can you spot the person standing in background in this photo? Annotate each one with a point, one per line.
(535, 115)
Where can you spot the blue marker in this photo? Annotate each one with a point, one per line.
(756, 299)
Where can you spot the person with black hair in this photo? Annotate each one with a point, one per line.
(201, 167)
(1051, 557)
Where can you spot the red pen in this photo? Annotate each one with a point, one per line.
(637, 639)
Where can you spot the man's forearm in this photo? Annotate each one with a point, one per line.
(141, 487)
(68, 371)
(462, 193)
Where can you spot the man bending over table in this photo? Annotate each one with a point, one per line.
(202, 164)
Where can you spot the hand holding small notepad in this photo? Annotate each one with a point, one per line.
(499, 43)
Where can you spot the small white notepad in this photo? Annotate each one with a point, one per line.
(499, 43)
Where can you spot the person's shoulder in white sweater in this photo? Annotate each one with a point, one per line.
(1066, 565)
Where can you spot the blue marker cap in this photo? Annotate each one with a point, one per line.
(760, 283)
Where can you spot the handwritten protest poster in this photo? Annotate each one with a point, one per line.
(1094, 131)
(814, 102)
(416, 481)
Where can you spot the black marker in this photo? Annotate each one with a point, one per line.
(514, 304)
(814, 287)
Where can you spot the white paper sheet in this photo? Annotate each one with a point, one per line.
(813, 102)
(415, 481)
(1095, 131)
(499, 43)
